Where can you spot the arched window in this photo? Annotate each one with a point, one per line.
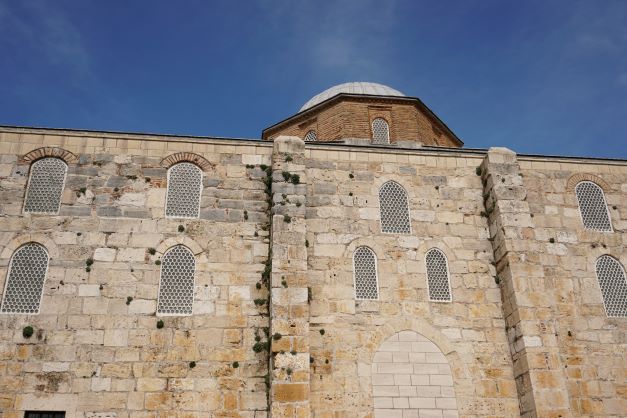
(311, 136)
(592, 207)
(25, 281)
(365, 268)
(45, 186)
(184, 190)
(613, 284)
(380, 131)
(394, 208)
(438, 281)
(176, 286)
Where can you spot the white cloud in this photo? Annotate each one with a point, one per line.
(349, 38)
(43, 30)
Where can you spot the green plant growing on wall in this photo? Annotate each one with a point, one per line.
(27, 331)
(160, 324)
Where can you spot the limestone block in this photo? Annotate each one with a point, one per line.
(88, 290)
(142, 306)
(131, 254)
(116, 337)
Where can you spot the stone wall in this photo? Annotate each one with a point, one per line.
(589, 347)
(445, 199)
(97, 348)
(276, 325)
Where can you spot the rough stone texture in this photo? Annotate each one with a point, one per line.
(525, 334)
(590, 347)
(289, 309)
(96, 354)
(510, 218)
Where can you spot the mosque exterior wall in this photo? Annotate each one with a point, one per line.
(276, 327)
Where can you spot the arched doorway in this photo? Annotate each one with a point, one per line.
(411, 378)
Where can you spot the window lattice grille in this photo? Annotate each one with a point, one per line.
(592, 206)
(45, 186)
(25, 282)
(380, 131)
(437, 276)
(176, 288)
(613, 284)
(394, 208)
(311, 136)
(364, 262)
(184, 189)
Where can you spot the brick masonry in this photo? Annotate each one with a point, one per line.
(534, 342)
(352, 118)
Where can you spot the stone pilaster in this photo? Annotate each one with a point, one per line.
(527, 300)
(289, 305)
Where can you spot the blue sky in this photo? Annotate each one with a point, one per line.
(545, 77)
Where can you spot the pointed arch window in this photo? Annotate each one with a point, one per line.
(176, 285)
(365, 270)
(311, 136)
(394, 207)
(380, 131)
(45, 186)
(184, 191)
(592, 207)
(438, 279)
(25, 282)
(613, 284)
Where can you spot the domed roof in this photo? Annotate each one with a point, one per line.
(352, 88)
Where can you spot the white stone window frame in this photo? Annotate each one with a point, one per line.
(596, 271)
(372, 128)
(167, 191)
(43, 285)
(448, 277)
(30, 176)
(607, 210)
(315, 136)
(165, 314)
(376, 272)
(381, 210)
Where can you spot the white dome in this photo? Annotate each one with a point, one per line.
(352, 88)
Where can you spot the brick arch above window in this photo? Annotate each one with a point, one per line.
(593, 206)
(55, 152)
(168, 243)
(575, 179)
(189, 157)
(22, 239)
